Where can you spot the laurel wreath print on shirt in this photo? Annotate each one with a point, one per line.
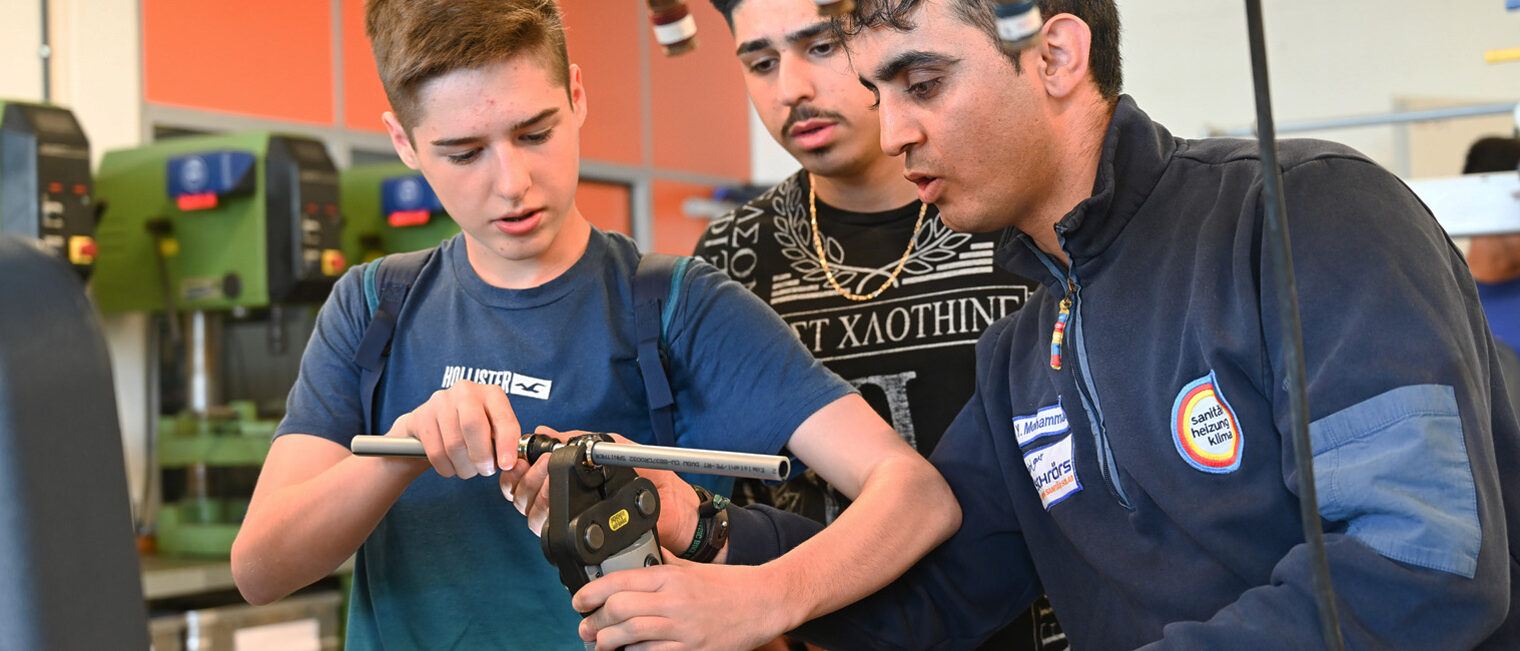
(935, 244)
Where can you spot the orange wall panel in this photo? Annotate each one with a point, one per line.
(363, 96)
(603, 39)
(270, 59)
(674, 232)
(701, 112)
(605, 205)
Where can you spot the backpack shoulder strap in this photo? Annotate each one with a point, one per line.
(387, 280)
(656, 289)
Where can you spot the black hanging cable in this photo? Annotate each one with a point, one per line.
(1277, 244)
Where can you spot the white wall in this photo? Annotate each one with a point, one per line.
(1188, 65)
(769, 163)
(20, 36)
(97, 71)
(1187, 61)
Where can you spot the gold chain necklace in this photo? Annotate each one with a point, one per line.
(923, 209)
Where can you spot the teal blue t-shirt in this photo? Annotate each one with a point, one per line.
(453, 565)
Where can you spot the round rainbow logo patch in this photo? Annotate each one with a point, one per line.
(1204, 427)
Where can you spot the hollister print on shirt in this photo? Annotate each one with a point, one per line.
(513, 383)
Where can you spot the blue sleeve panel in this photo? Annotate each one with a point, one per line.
(1406, 396)
(1394, 468)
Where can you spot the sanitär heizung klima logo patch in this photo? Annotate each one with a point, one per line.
(1204, 427)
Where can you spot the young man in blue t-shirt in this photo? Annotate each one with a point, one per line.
(524, 320)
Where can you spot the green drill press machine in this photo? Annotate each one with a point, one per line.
(195, 229)
(390, 208)
(45, 188)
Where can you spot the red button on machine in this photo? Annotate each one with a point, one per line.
(82, 249)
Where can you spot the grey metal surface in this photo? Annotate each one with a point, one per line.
(386, 446)
(712, 462)
(204, 361)
(66, 549)
(1399, 117)
(1473, 204)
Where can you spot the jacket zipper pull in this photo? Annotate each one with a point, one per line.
(1060, 329)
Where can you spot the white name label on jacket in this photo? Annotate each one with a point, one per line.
(1054, 472)
(1045, 422)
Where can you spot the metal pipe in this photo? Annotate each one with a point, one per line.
(45, 52)
(1402, 117)
(204, 360)
(200, 371)
(711, 462)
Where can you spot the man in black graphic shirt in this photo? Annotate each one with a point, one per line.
(895, 301)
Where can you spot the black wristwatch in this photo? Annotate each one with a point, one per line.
(712, 527)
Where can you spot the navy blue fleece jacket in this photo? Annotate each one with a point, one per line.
(1139, 471)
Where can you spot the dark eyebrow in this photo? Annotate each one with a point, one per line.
(910, 59)
(540, 117)
(793, 38)
(750, 46)
(807, 33)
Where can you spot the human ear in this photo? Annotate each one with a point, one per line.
(399, 139)
(1064, 53)
(577, 95)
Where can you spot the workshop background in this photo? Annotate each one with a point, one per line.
(666, 142)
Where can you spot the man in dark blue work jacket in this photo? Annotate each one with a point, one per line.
(1126, 451)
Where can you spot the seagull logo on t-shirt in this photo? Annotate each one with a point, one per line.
(531, 387)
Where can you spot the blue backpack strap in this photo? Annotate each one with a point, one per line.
(386, 283)
(656, 289)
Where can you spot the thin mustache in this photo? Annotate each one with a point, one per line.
(802, 112)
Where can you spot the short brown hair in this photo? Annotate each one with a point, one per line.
(416, 41)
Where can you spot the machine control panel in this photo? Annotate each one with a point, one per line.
(46, 191)
(304, 222)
